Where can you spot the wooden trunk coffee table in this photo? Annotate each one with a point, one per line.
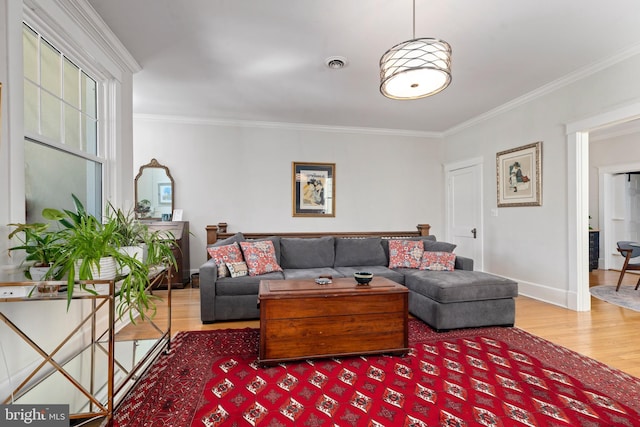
(300, 319)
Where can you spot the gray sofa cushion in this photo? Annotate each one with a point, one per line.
(307, 253)
(310, 273)
(377, 270)
(367, 251)
(459, 285)
(245, 285)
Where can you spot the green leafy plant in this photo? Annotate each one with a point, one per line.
(40, 244)
(160, 246)
(131, 231)
(85, 241)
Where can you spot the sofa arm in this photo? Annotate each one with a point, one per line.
(208, 276)
(462, 263)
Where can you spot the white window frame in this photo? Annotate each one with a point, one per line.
(104, 102)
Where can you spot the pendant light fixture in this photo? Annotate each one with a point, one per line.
(416, 68)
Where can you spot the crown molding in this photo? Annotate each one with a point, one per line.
(100, 32)
(517, 102)
(548, 88)
(82, 14)
(282, 125)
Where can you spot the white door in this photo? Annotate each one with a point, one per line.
(464, 210)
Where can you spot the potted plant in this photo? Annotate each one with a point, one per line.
(143, 208)
(90, 247)
(41, 247)
(153, 248)
(131, 231)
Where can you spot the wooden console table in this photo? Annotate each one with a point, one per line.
(300, 319)
(95, 377)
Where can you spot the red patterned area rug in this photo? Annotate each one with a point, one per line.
(475, 377)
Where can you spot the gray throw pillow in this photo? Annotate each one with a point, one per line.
(356, 252)
(307, 253)
(238, 237)
(431, 246)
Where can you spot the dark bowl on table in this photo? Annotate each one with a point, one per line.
(363, 277)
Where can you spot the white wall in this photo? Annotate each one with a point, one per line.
(242, 175)
(530, 244)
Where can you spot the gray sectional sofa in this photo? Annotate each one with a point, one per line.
(445, 300)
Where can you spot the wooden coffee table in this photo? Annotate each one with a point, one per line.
(300, 319)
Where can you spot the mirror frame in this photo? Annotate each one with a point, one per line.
(153, 164)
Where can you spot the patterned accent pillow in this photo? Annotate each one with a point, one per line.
(260, 257)
(405, 253)
(438, 261)
(237, 269)
(224, 254)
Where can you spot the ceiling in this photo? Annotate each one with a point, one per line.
(263, 61)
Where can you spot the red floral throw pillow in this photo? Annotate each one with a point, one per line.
(260, 257)
(405, 253)
(224, 254)
(438, 261)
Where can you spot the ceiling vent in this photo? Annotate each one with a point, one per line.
(336, 62)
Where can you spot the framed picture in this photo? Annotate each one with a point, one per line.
(314, 189)
(519, 174)
(165, 193)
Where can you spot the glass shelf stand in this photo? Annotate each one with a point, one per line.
(92, 378)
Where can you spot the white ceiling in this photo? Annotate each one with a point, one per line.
(263, 60)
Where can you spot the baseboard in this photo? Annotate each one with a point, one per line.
(543, 293)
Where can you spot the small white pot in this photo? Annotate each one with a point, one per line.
(108, 269)
(38, 273)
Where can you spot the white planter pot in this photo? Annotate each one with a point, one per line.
(137, 252)
(108, 269)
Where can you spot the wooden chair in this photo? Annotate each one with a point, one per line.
(628, 250)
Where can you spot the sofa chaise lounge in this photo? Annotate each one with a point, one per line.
(445, 300)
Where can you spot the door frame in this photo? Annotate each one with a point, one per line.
(577, 133)
(448, 168)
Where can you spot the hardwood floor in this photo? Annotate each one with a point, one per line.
(607, 333)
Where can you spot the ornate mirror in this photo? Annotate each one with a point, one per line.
(154, 191)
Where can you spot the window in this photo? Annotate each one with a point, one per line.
(62, 152)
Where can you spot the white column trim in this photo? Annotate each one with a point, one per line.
(578, 214)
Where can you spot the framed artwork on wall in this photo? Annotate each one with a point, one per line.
(519, 176)
(313, 189)
(164, 191)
